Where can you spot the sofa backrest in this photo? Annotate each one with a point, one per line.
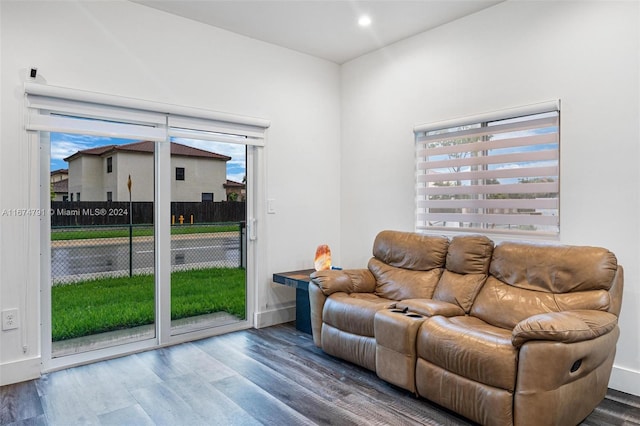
(466, 270)
(407, 265)
(408, 250)
(528, 279)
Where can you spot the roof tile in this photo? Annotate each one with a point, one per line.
(148, 146)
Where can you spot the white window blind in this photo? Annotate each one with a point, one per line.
(496, 172)
(64, 110)
(195, 128)
(54, 109)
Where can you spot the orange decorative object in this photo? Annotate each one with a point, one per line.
(322, 261)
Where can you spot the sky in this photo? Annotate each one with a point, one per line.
(63, 145)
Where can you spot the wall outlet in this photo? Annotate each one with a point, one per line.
(10, 319)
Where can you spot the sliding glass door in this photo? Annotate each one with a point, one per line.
(208, 238)
(150, 237)
(102, 242)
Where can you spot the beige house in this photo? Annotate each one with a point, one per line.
(236, 191)
(102, 173)
(59, 185)
(59, 175)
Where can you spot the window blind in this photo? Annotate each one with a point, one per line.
(195, 128)
(491, 173)
(64, 110)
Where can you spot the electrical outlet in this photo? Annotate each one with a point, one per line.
(9, 319)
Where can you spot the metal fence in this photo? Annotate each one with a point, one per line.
(80, 253)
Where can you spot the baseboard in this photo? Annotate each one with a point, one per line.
(20, 371)
(625, 380)
(274, 316)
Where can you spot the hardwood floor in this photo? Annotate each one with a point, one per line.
(272, 376)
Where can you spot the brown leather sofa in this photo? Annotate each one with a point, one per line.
(515, 333)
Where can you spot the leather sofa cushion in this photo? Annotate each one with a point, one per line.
(355, 312)
(398, 283)
(409, 250)
(505, 306)
(459, 289)
(554, 269)
(469, 254)
(430, 307)
(471, 348)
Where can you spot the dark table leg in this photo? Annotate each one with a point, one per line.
(303, 314)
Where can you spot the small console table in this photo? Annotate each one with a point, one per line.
(300, 281)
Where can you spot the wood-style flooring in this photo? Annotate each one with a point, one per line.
(271, 376)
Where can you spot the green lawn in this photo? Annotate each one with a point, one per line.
(108, 304)
(61, 234)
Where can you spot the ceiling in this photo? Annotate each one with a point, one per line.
(327, 29)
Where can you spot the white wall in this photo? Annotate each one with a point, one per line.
(513, 54)
(122, 48)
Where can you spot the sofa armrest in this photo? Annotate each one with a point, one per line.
(430, 307)
(347, 281)
(316, 305)
(560, 383)
(565, 327)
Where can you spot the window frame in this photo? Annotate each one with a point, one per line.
(180, 173)
(459, 163)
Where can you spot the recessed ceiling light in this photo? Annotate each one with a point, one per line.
(364, 21)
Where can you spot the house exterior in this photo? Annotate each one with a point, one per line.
(236, 191)
(102, 173)
(58, 175)
(60, 185)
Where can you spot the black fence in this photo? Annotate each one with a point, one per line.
(91, 213)
(81, 253)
